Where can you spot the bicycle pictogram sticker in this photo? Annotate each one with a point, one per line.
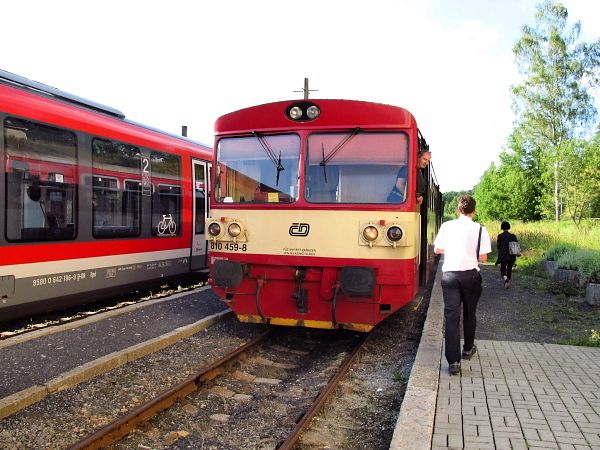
(167, 225)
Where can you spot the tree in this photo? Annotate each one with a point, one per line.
(579, 177)
(514, 188)
(450, 200)
(507, 192)
(552, 103)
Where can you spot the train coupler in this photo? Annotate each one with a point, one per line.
(301, 298)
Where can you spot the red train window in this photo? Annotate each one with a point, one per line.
(116, 183)
(41, 181)
(166, 199)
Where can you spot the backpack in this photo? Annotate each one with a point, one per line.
(514, 248)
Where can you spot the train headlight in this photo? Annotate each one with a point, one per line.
(370, 233)
(214, 229)
(313, 112)
(394, 233)
(234, 230)
(295, 112)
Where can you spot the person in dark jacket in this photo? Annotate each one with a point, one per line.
(506, 260)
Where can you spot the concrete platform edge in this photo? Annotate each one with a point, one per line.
(20, 400)
(414, 427)
(95, 318)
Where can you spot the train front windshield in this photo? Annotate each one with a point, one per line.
(357, 168)
(258, 169)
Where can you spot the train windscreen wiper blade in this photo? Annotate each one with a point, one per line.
(338, 147)
(270, 153)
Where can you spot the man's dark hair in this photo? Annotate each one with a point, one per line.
(466, 204)
(505, 226)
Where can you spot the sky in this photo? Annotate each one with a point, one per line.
(186, 62)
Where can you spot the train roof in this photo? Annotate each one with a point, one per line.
(34, 87)
(334, 113)
(16, 80)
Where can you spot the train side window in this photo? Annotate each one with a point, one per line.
(116, 184)
(166, 198)
(41, 181)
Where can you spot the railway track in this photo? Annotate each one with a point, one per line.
(266, 347)
(239, 408)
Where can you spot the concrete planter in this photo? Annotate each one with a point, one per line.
(549, 267)
(592, 294)
(566, 276)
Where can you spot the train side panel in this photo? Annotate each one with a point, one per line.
(91, 204)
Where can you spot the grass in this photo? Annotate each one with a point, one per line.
(537, 237)
(399, 377)
(591, 339)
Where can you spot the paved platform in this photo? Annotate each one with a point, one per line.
(38, 363)
(511, 395)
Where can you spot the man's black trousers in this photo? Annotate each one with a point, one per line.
(460, 287)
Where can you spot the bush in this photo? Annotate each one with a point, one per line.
(589, 265)
(587, 262)
(555, 252)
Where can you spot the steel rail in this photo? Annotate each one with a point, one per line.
(122, 426)
(307, 417)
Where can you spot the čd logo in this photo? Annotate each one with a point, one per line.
(299, 229)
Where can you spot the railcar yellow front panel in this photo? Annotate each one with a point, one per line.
(330, 234)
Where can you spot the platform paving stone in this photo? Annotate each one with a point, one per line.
(514, 395)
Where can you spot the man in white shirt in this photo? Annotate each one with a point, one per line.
(464, 244)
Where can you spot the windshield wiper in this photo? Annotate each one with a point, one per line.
(324, 163)
(271, 154)
(338, 147)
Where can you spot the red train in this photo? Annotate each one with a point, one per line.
(91, 203)
(304, 231)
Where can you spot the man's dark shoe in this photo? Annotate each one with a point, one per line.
(468, 354)
(454, 368)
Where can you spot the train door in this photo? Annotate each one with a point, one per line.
(425, 214)
(201, 181)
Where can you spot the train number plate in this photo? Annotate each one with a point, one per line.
(229, 246)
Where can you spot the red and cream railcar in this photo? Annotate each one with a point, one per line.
(303, 231)
(91, 203)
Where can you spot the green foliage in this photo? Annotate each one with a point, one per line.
(553, 106)
(543, 238)
(399, 377)
(590, 340)
(510, 191)
(587, 262)
(567, 260)
(556, 251)
(450, 200)
(579, 176)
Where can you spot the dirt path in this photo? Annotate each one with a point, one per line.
(529, 312)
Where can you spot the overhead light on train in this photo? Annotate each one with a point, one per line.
(394, 233)
(370, 233)
(295, 112)
(302, 111)
(214, 229)
(234, 230)
(313, 112)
